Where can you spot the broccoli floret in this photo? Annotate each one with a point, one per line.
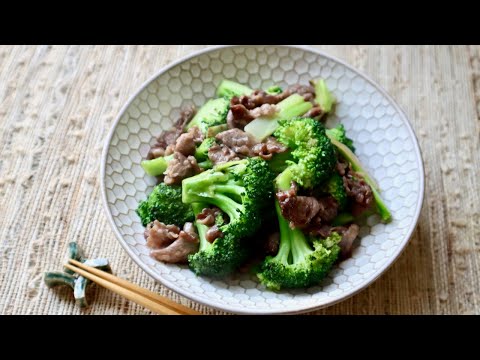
(217, 259)
(323, 96)
(274, 90)
(279, 162)
(156, 167)
(292, 106)
(339, 134)
(230, 89)
(312, 152)
(201, 153)
(213, 113)
(335, 188)
(165, 204)
(240, 189)
(346, 153)
(299, 262)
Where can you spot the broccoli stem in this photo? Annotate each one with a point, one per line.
(354, 161)
(285, 243)
(292, 106)
(201, 229)
(207, 164)
(357, 167)
(229, 89)
(156, 167)
(323, 96)
(292, 241)
(284, 180)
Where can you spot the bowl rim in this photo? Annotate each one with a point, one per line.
(232, 308)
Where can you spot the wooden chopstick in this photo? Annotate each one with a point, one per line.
(135, 288)
(154, 303)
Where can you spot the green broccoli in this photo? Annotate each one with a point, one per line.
(230, 89)
(239, 189)
(156, 167)
(292, 106)
(274, 90)
(346, 153)
(335, 188)
(201, 153)
(298, 263)
(323, 96)
(339, 134)
(217, 259)
(213, 113)
(165, 204)
(312, 152)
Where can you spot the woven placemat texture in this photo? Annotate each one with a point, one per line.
(57, 104)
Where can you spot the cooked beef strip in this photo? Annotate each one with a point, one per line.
(306, 211)
(159, 235)
(268, 148)
(245, 108)
(342, 168)
(180, 167)
(314, 112)
(349, 234)
(177, 252)
(219, 154)
(213, 233)
(169, 137)
(358, 189)
(299, 210)
(237, 140)
(208, 215)
(187, 142)
(307, 91)
(239, 115)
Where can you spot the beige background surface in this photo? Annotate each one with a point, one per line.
(58, 103)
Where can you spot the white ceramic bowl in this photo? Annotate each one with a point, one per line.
(384, 139)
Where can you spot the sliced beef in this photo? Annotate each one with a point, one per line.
(237, 140)
(258, 98)
(268, 148)
(169, 137)
(178, 251)
(219, 154)
(208, 215)
(349, 234)
(213, 233)
(180, 167)
(314, 112)
(342, 168)
(358, 189)
(187, 142)
(159, 235)
(306, 212)
(307, 91)
(239, 115)
(299, 210)
(328, 209)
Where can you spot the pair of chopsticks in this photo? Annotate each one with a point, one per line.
(132, 292)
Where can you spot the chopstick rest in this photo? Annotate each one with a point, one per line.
(76, 282)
